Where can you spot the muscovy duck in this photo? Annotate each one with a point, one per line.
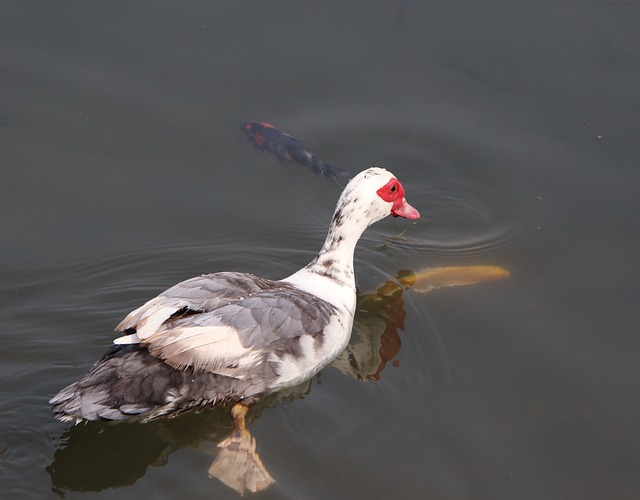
(232, 337)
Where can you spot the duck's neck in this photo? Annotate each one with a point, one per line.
(335, 259)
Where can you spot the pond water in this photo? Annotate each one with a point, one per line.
(514, 127)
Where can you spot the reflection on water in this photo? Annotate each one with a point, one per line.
(375, 339)
(94, 456)
(238, 464)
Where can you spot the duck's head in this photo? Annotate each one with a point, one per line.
(375, 193)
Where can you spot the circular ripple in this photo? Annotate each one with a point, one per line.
(464, 223)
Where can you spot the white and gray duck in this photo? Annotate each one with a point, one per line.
(230, 337)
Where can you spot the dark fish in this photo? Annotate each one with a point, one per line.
(265, 137)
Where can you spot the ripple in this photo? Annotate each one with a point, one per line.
(464, 223)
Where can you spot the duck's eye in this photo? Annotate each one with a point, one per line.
(391, 191)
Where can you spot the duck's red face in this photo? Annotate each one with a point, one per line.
(393, 192)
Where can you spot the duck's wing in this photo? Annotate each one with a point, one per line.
(248, 338)
(228, 323)
(201, 294)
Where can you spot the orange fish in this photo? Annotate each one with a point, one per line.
(429, 279)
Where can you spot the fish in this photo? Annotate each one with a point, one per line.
(433, 278)
(288, 149)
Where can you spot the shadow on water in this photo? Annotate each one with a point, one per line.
(100, 455)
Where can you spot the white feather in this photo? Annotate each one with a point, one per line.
(151, 320)
(127, 339)
(212, 348)
(340, 296)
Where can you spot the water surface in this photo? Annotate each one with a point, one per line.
(514, 128)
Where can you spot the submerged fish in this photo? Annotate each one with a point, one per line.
(265, 137)
(433, 278)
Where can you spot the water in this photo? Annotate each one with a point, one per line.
(514, 127)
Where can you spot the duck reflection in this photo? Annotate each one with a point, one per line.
(100, 455)
(375, 340)
(94, 456)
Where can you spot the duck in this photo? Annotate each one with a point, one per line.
(231, 338)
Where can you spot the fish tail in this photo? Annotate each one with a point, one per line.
(336, 174)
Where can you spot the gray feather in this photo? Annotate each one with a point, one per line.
(128, 381)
